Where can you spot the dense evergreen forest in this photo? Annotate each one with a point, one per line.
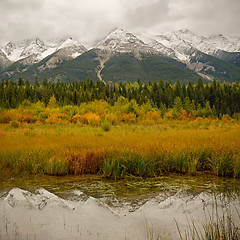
(220, 98)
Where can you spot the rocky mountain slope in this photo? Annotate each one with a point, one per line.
(208, 60)
(125, 56)
(4, 61)
(27, 53)
(38, 48)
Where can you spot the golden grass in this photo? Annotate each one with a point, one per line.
(169, 137)
(121, 138)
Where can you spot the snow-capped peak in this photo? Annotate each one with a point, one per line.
(180, 44)
(184, 31)
(121, 41)
(219, 36)
(22, 49)
(151, 41)
(196, 41)
(38, 49)
(67, 42)
(181, 47)
(119, 33)
(228, 44)
(58, 43)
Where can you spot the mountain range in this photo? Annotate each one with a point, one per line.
(124, 56)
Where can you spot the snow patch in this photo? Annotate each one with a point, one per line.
(76, 54)
(16, 51)
(182, 57)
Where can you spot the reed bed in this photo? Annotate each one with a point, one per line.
(145, 151)
(220, 225)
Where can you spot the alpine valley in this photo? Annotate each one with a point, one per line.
(124, 56)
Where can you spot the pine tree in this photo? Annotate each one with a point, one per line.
(178, 105)
(20, 82)
(36, 83)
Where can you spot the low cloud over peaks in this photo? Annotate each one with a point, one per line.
(93, 19)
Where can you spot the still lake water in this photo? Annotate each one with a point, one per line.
(91, 207)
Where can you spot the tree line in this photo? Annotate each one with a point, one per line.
(220, 98)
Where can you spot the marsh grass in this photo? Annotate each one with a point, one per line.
(118, 165)
(114, 164)
(218, 226)
(127, 150)
(32, 161)
(223, 229)
(151, 235)
(106, 125)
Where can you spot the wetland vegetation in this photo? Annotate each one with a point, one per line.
(116, 130)
(126, 150)
(122, 135)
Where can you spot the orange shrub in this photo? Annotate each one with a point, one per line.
(197, 119)
(38, 123)
(133, 120)
(155, 116)
(151, 118)
(5, 117)
(168, 115)
(27, 117)
(62, 115)
(54, 118)
(75, 118)
(186, 115)
(129, 118)
(112, 117)
(179, 116)
(90, 118)
(225, 119)
(19, 117)
(183, 115)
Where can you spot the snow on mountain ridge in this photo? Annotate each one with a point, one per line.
(74, 47)
(213, 43)
(181, 48)
(161, 48)
(59, 43)
(197, 42)
(225, 43)
(122, 41)
(39, 49)
(4, 61)
(21, 49)
(180, 45)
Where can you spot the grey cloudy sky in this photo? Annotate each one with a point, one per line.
(90, 20)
